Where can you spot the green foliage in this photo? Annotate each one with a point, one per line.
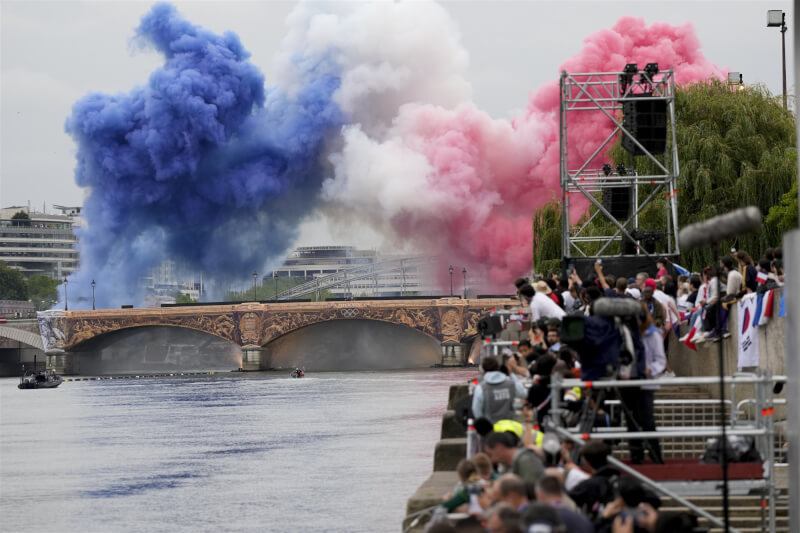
(12, 284)
(735, 149)
(265, 291)
(21, 218)
(43, 291)
(183, 298)
(784, 215)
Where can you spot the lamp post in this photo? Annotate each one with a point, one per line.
(275, 277)
(255, 289)
(66, 300)
(451, 280)
(777, 19)
(93, 295)
(464, 271)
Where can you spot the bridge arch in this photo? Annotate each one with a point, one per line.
(25, 337)
(352, 344)
(80, 341)
(154, 349)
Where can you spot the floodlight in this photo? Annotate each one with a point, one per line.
(651, 69)
(621, 171)
(774, 18)
(607, 169)
(734, 78)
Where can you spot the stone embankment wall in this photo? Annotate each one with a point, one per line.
(451, 448)
(705, 361)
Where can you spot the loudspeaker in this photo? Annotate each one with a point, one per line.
(617, 201)
(647, 121)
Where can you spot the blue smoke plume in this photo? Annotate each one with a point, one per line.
(202, 164)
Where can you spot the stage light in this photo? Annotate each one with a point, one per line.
(626, 78)
(607, 169)
(735, 78)
(774, 18)
(621, 170)
(651, 69)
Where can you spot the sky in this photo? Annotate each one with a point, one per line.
(53, 53)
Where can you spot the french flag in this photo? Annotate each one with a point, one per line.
(761, 277)
(681, 271)
(688, 342)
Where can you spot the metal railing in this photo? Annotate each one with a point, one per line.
(762, 428)
(346, 276)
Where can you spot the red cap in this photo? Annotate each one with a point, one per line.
(650, 282)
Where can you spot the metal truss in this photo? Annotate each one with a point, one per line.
(345, 276)
(606, 92)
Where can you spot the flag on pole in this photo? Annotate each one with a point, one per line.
(681, 271)
(761, 277)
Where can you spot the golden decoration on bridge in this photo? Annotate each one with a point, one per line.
(251, 324)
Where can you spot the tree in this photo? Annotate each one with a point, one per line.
(735, 149)
(43, 291)
(784, 215)
(183, 298)
(12, 284)
(21, 218)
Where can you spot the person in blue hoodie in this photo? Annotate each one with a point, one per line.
(494, 396)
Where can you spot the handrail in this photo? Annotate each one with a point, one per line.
(418, 516)
(664, 382)
(649, 482)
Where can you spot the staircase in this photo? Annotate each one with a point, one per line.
(745, 510)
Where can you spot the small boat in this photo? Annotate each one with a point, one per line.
(40, 380)
(298, 373)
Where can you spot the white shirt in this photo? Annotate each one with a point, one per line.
(734, 282)
(569, 301)
(665, 299)
(542, 306)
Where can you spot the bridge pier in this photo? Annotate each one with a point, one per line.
(63, 363)
(452, 354)
(255, 358)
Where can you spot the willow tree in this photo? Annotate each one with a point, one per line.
(735, 148)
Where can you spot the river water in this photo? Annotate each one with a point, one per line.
(333, 451)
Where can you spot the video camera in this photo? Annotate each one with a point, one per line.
(493, 323)
(607, 342)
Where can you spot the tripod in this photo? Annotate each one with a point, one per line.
(589, 415)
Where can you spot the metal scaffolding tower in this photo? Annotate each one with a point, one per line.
(608, 93)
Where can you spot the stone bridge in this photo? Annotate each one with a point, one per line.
(451, 321)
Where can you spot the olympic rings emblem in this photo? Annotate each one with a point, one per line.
(349, 312)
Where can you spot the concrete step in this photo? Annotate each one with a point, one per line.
(448, 453)
(734, 510)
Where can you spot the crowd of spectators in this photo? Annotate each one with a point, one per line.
(527, 480)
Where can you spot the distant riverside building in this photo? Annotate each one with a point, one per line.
(312, 262)
(42, 244)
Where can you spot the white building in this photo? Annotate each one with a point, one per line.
(313, 262)
(42, 244)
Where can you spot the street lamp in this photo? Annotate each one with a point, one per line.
(255, 289)
(777, 19)
(275, 277)
(451, 280)
(93, 295)
(464, 271)
(66, 300)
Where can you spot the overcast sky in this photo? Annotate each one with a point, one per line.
(53, 53)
